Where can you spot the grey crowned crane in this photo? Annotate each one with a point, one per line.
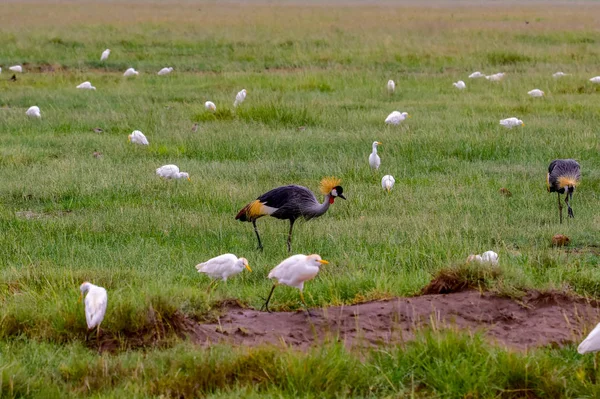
(563, 177)
(291, 203)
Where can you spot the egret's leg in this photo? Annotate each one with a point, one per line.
(257, 235)
(289, 241)
(212, 285)
(266, 305)
(559, 207)
(304, 302)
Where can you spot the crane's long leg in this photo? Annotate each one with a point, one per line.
(266, 305)
(559, 207)
(257, 236)
(567, 201)
(289, 241)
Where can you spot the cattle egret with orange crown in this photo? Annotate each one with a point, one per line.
(391, 86)
(210, 106)
(396, 117)
(86, 86)
(223, 266)
(387, 182)
(172, 172)
(239, 98)
(509, 123)
(293, 272)
(105, 55)
(591, 343)
(130, 72)
(374, 160)
(95, 305)
(165, 71)
(460, 85)
(137, 137)
(33, 112)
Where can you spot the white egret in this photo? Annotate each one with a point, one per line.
(487, 257)
(239, 98)
(95, 305)
(396, 117)
(595, 79)
(172, 172)
(558, 74)
(210, 106)
(391, 86)
(33, 112)
(591, 343)
(387, 182)
(165, 71)
(374, 160)
(130, 72)
(86, 86)
(293, 272)
(536, 93)
(460, 85)
(509, 123)
(476, 75)
(16, 68)
(495, 77)
(105, 55)
(0, 69)
(223, 266)
(137, 137)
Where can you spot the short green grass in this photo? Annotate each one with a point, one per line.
(67, 217)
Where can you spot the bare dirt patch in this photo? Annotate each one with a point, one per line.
(538, 319)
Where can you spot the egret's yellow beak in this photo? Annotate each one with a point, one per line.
(409, 116)
(129, 138)
(388, 189)
(189, 179)
(248, 267)
(323, 262)
(378, 143)
(80, 297)
(522, 124)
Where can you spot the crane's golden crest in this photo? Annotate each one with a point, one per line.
(328, 183)
(255, 209)
(567, 180)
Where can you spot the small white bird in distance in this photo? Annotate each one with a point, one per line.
(460, 85)
(536, 93)
(558, 74)
(487, 257)
(396, 117)
(0, 69)
(387, 182)
(95, 306)
(210, 106)
(239, 98)
(130, 72)
(293, 272)
(165, 71)
(86, 86)
(172, 172)
(476, 75)
(105, 55)
(509, 123)
(391, 86)
(591, 343)
(16, 68)
(595, 79)
(374, 160)
(33, 112)
(495, 77)
(223, 266)
(137, 137)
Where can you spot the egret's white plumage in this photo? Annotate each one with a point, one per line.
(223, 266)
(391, 86)
(495, 77)
(239, 98)
(105, 55)
(137, 137)
(95, 304)
(476, 75)
(0, 69)
(16, 68)
(172, 172)
(165, 71)
(130, 72)
(86, 86)
(487, 257)
(33, 112)
(459, 85)
(396, 117)
(591, 343)
(387, 182)
(595, 79)
(536, 93)
(294, 271)
(374, 160)
(210, 106)
(509, 123)
(558, 74)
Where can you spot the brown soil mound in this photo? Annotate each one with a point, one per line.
(539, 319)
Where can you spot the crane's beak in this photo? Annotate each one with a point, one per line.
(248, 267)
(342, 196)
(323, 262)
(80, 297)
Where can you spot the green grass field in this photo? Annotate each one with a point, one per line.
(67, 217)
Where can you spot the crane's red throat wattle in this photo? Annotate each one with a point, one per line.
(331, 199)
